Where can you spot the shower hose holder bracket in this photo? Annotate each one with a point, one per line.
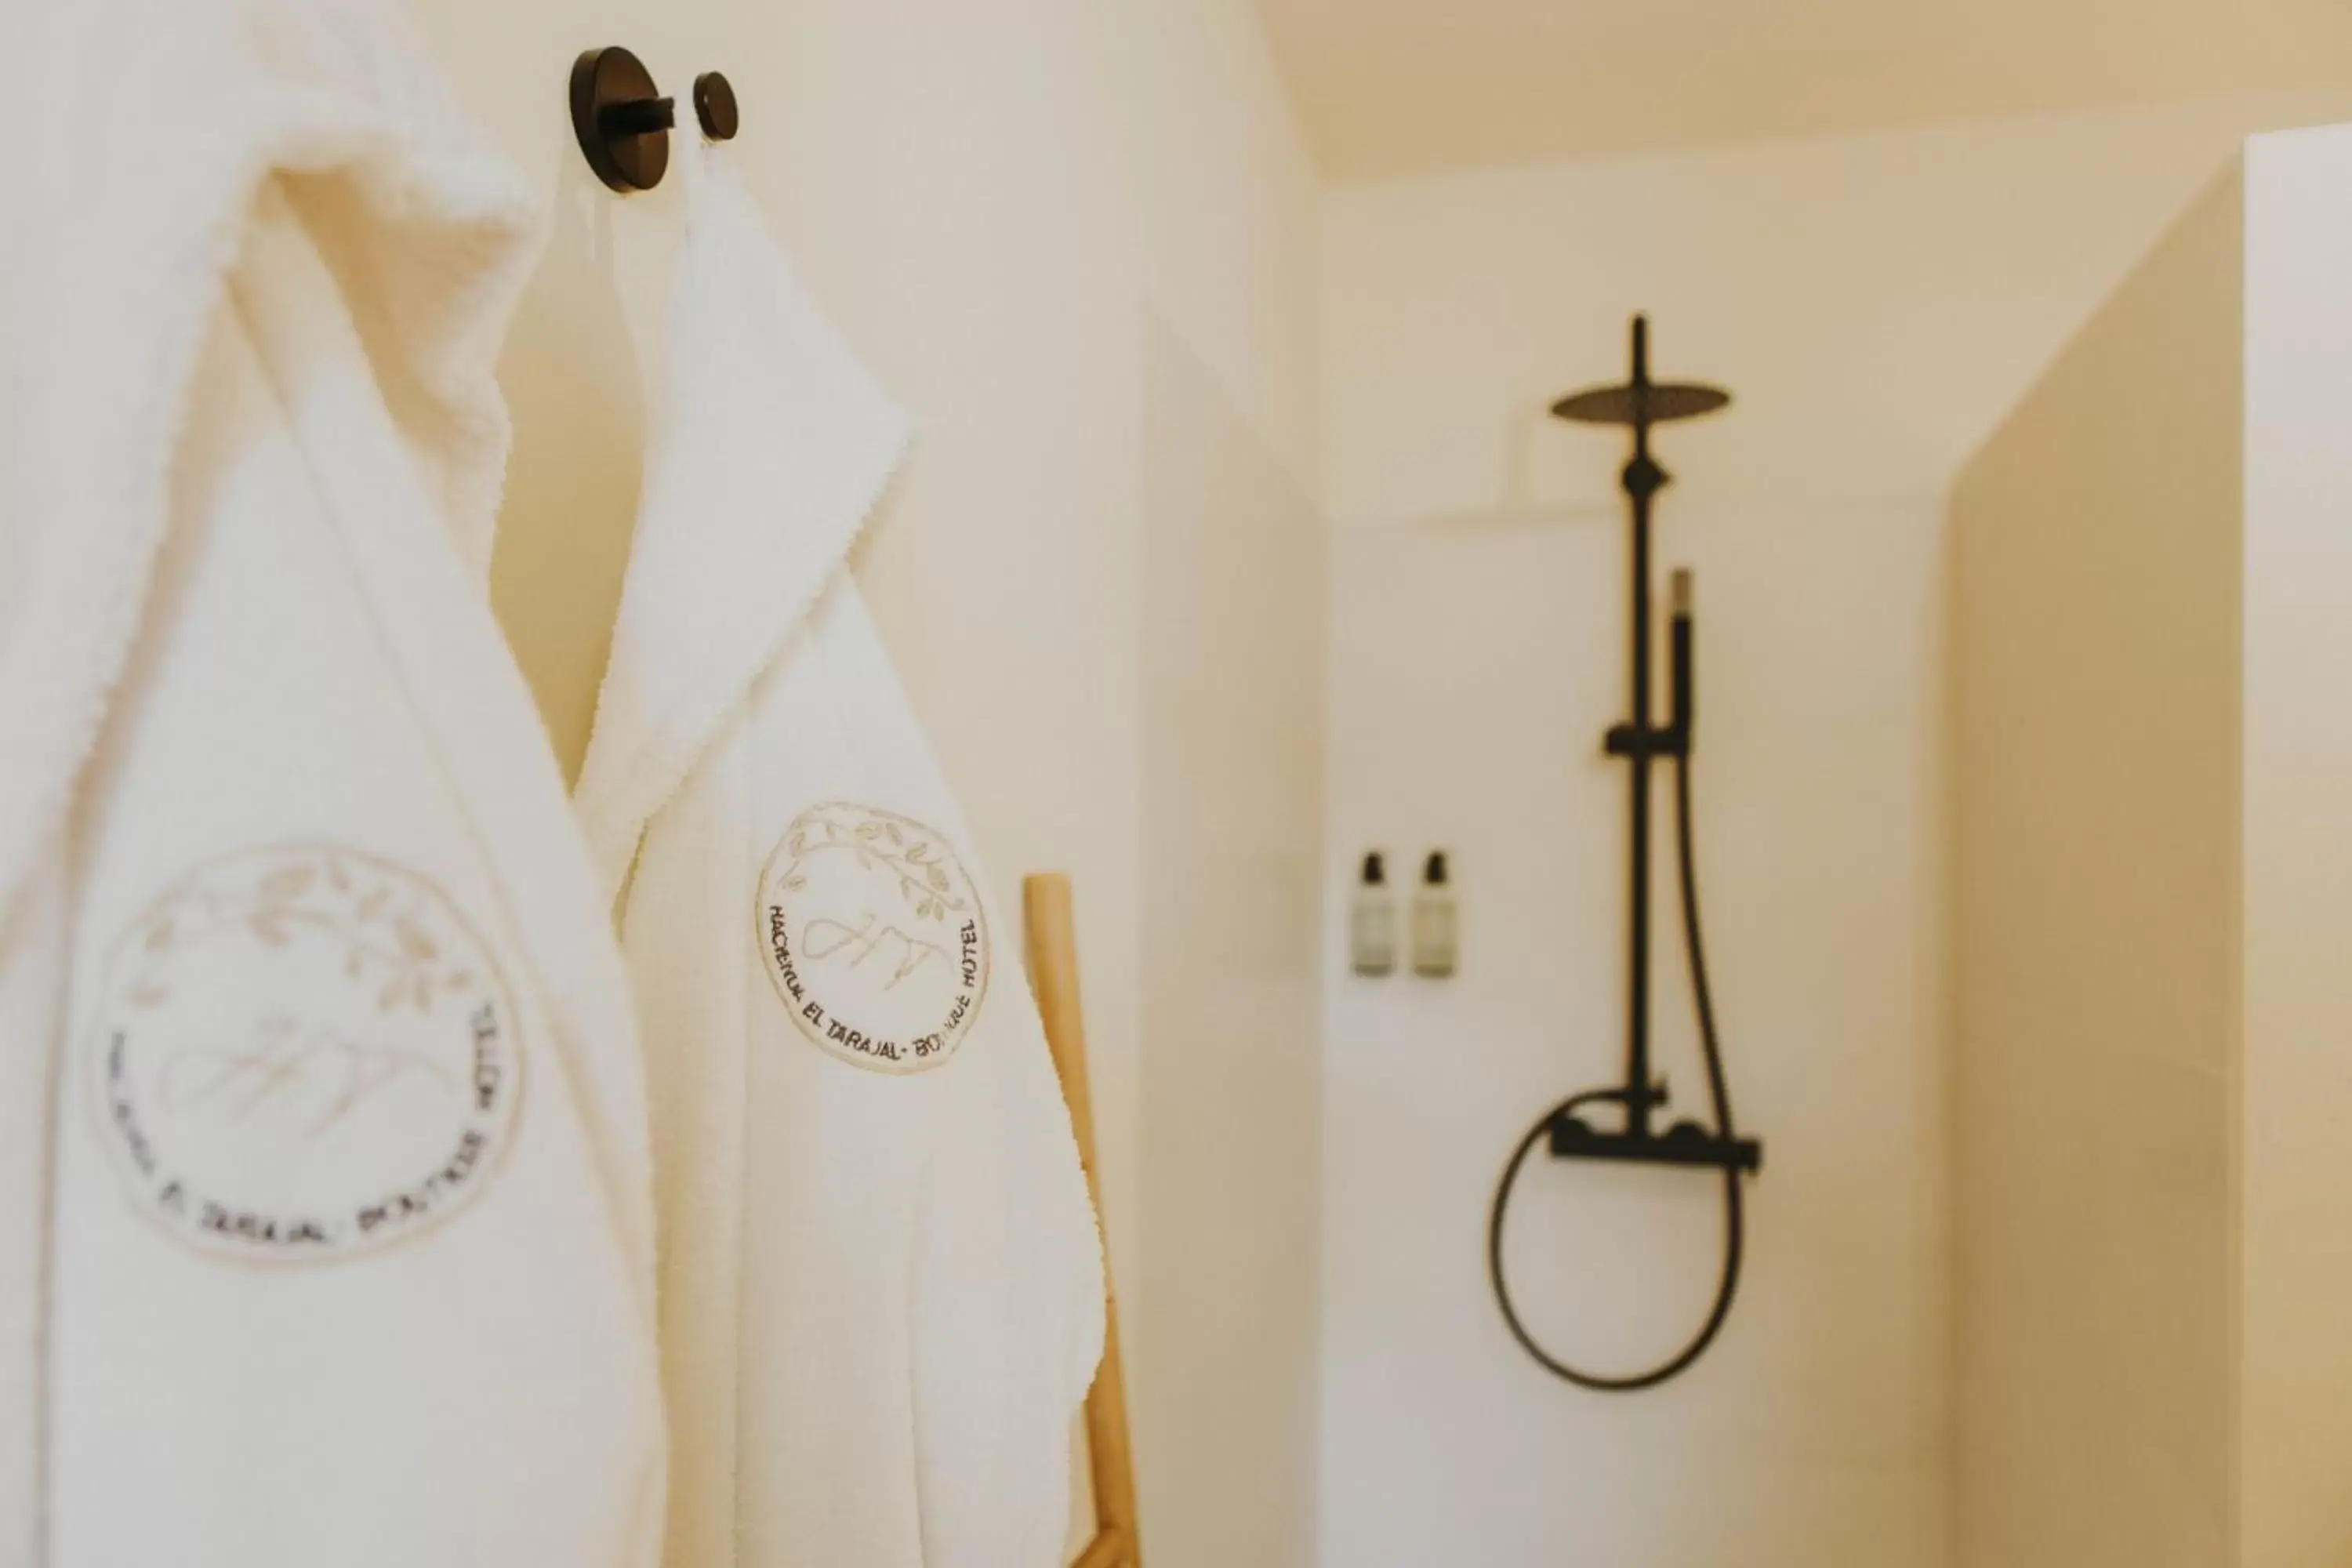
(1634, 740)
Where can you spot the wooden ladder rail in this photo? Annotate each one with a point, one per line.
(1052, 936)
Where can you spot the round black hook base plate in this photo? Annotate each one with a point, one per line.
(621, 118)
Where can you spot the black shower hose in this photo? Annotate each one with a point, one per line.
(1733, 1218)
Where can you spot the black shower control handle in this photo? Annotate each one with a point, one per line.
(1570, 1137)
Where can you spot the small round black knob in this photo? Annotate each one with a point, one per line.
(621, 118)
(714, 106)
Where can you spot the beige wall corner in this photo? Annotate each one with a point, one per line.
(2095, 679)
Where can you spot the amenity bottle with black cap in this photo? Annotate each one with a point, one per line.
(1372, 921)
(1434, 926)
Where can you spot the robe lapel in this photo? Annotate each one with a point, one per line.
(769, 448)
(119, 240)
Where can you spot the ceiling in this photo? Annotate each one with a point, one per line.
(1401, 87)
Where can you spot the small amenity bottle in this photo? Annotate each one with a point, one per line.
(1434, 940)
(1371, 921)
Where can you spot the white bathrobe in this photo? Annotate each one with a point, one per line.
(327, 1230)
(881, 1280)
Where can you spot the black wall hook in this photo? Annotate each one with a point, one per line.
(622, 119)
(714, 106)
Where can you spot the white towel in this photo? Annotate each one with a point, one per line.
(348, 1218)
(881, 1280)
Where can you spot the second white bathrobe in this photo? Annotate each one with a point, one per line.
(880, 1277)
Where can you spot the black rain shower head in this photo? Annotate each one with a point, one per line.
(1628, 403)
(1640, 401)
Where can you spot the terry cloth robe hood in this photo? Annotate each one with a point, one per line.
(881, 1283)
(325, 1207)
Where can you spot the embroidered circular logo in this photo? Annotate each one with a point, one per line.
(303, 1052)
(875, 936)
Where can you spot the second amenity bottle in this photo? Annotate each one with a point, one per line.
(1435, 925)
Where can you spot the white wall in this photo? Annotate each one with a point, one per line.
(994, 201)
(2296, 1083)
(1232, 1079)
(1877, 303)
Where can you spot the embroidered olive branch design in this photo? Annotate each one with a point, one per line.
(380, 929)
(878, 843)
